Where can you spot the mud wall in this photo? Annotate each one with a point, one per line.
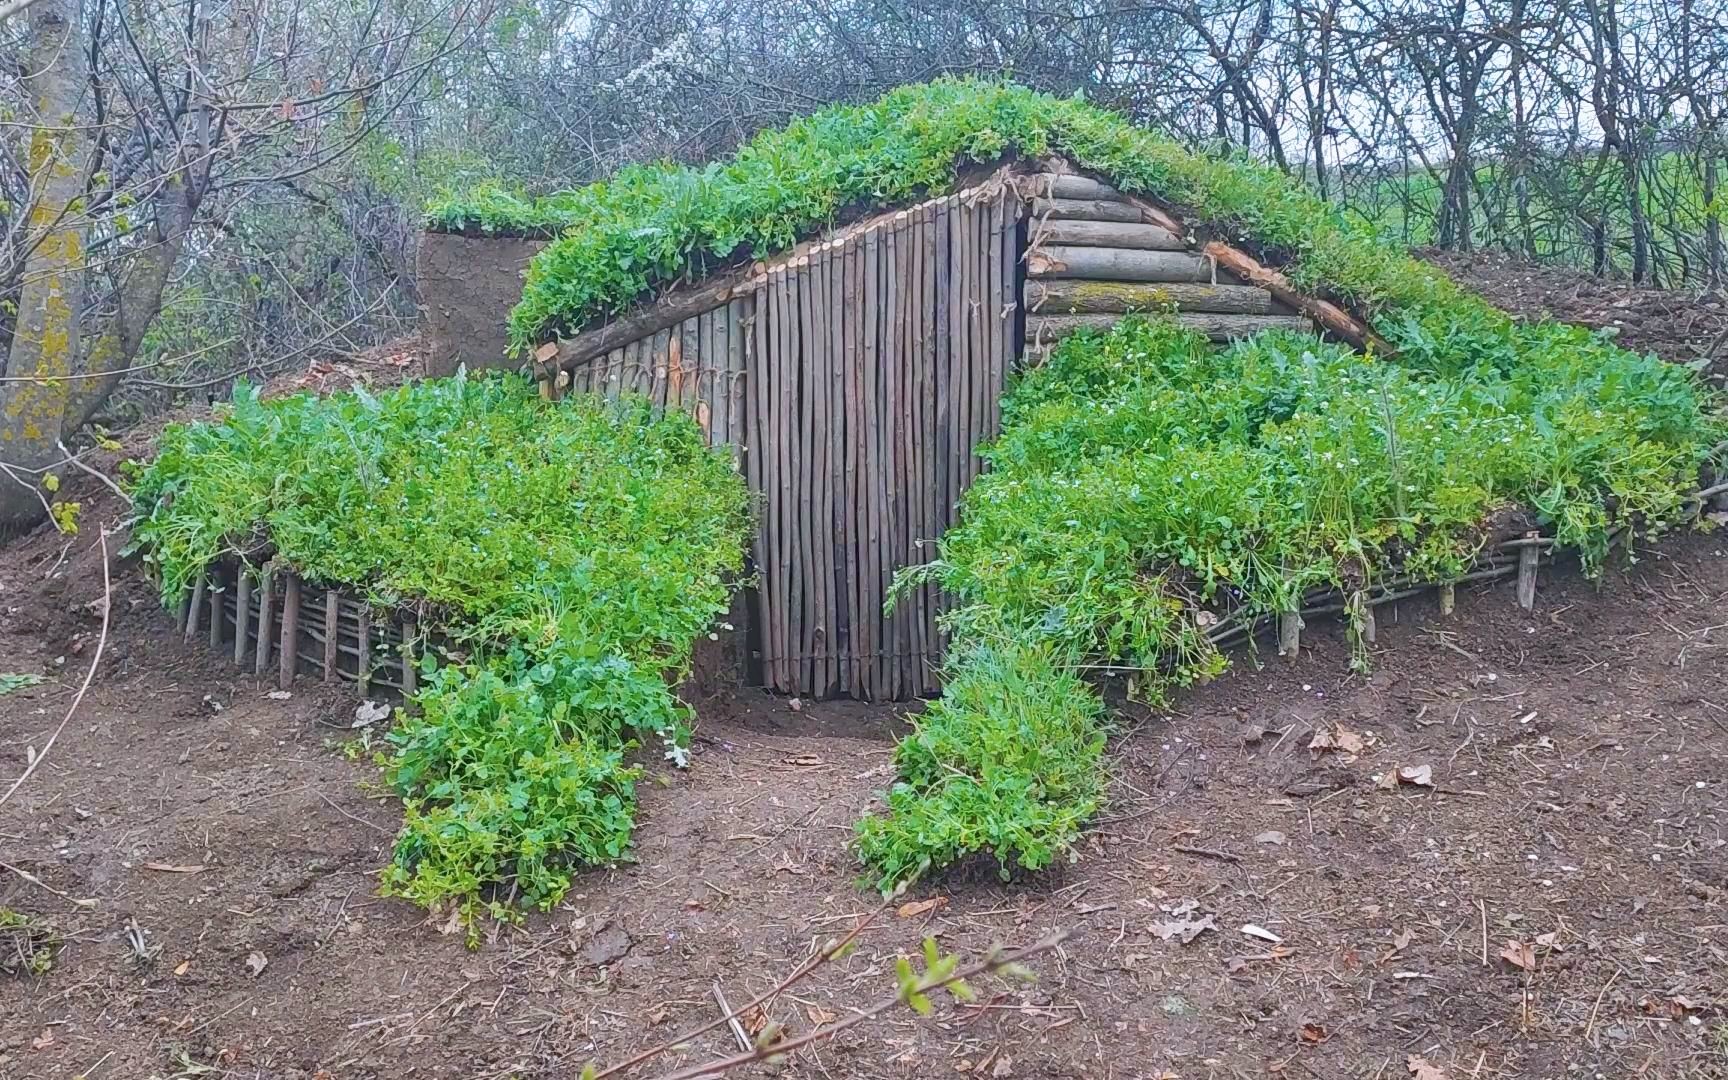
(468, 285)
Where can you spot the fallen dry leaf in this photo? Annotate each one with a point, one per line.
(1420, 775)
(1255, 931)
(1182, 929)
(818, 1015)
(1423, 1069)
(44, 1040)
(1271, 836)
(1519, 954)
(182, 967)
(256, 962)
(1399, 943)
(175, 868)
(1342, 739)
(1312, 1032)
(919, 907)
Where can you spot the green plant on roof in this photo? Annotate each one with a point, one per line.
(652, 225)
(493, 209)
(577, 548)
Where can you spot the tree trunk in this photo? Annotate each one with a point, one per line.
(137, 303)
(50, 304)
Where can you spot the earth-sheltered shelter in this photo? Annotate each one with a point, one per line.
(857, 371)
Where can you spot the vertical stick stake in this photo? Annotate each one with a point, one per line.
(214, 592)
(288, 653)
(195, 608)
(410, 631)
(266, 603)
(363, 651)
(332, 619)
(1289, 634)
(1528, 557)
(242, 612)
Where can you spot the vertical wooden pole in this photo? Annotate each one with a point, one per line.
(1529, 557)
(1448, 598)
(214, 592)
(864, 469)
(194, 607)
(363, 651)
(738, 329)
(410, 638)
(242, 612)
(811, 639)
(927, 459)
(266, 618)
(948, 349)
(824, 317)
(332, 632)
(1290, 634)
(783, 410)
(288, 652)
(1370, 626)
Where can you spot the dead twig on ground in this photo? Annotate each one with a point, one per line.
(828, 953)
(998, 960)
(39, 883)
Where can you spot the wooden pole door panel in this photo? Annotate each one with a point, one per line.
(877, 363)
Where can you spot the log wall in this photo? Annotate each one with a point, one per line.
(854, 380)
(1095, 255)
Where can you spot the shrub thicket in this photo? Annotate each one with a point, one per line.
(577, 549)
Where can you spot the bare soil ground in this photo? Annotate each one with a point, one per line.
(1576, 821)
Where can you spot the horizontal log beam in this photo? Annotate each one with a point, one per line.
(1074, 186)
(1085, 210)
(656, 315)
(1118, 234)
(1116, 297)
(1117, 264)
(1328, 315)
(1045, 329)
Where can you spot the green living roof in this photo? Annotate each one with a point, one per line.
(627, 237)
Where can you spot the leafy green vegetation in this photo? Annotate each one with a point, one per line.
(1007, 761)
(577, 548)
(10, 681)
(1148, 484)
(492, 209)
(28, 946)
(650, 224)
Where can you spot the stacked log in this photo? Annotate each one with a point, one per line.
(1095, 255)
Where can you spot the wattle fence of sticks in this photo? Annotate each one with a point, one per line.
(271, 620)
